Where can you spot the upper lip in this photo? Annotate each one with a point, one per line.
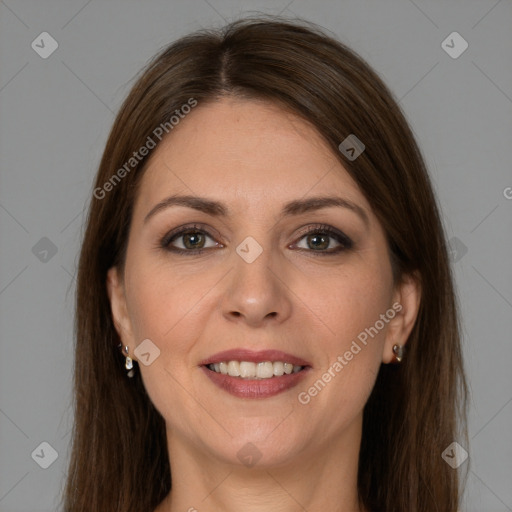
(242, 354)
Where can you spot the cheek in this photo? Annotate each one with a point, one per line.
(351, 353)
(346, 304)
(351, 345)
(169, 308)
(160, 298)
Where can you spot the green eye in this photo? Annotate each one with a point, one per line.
(319, 240)
(191, 240)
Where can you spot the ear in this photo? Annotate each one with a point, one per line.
(120, 316)
(406, 304)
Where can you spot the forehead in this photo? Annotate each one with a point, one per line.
(247, 152)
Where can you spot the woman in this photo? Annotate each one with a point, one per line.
(266, 317)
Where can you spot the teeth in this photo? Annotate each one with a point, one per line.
(223, 368)
(233, 368)
(278, 368)
(247, 369)
(265, 370)
(250, 370)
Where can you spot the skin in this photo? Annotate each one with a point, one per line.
(254, 157)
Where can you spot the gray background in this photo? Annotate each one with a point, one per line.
(55, 117)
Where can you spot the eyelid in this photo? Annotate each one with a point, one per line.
(345, 242)
(195, 226)
(312, 228)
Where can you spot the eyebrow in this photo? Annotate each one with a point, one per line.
(296, 207)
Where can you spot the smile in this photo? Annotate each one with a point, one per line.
(248, 374)
(251, 370)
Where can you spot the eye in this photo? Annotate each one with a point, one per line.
(188, 240)
(325, 240)
(320, 240)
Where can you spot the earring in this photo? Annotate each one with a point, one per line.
(399, 353)
(128, 363)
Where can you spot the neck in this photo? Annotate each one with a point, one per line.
(322, 477)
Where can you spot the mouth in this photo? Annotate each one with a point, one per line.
(248, 374)
(249, 370)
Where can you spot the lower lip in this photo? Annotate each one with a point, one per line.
(255, 388)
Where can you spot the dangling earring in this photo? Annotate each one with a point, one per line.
(129, 363)
(399, 353)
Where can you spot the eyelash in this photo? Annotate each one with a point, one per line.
(321, 229)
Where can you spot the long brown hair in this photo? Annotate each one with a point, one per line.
(119, 459)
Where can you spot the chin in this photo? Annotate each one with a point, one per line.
(265, 449)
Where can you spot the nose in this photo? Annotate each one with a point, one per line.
(257, 292)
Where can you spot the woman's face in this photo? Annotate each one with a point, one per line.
(277, 271)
